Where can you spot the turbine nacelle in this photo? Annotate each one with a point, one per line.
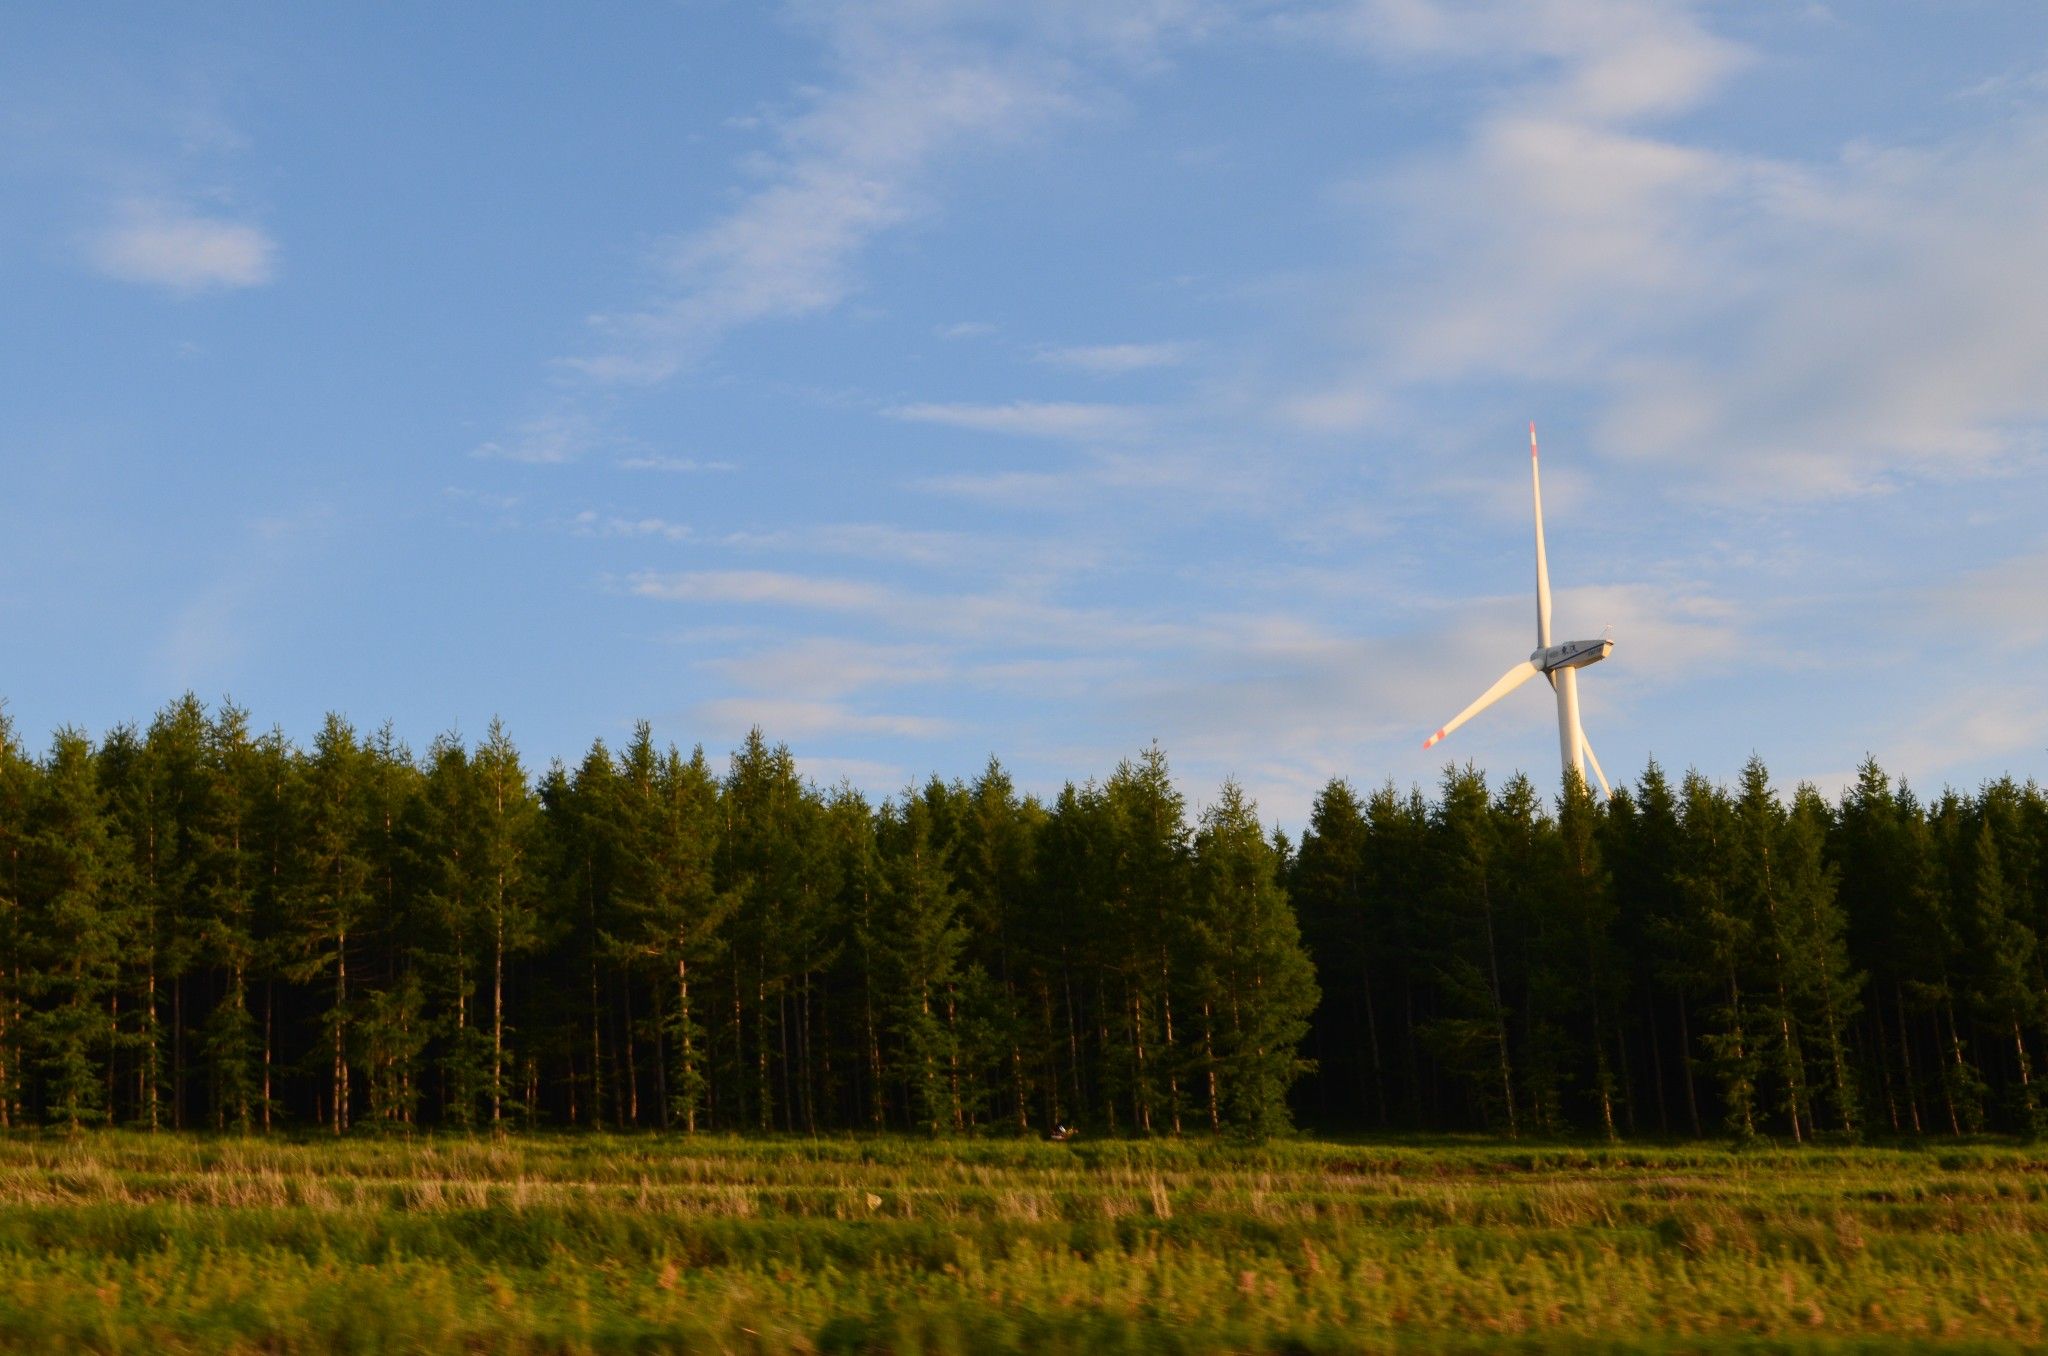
(1573, 654)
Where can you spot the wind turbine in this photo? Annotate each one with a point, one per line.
(1559, 663)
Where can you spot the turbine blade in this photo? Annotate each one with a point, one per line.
(1509, 681)
(1542, 565)
(1594, 763)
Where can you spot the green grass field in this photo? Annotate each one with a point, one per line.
(128, 1243)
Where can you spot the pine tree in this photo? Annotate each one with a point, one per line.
(1145, 878)
(920, 943)
(669, 908)
(1716, 937)
(849, 835)
(993, 854)
(79, 878)
(333, 891)
(1760, 895)
(1644, 838)
(2002, 947)
(443, 835)
(1469, 1031)
(1823, 984)
(1580, 924)
(1342, 927)
(229, 871)
(1255, 983)
(507, 828)
(1942, 933)
(19, 792)
(1877, 848)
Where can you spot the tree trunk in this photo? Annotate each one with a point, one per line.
(689, 1053)
(1657, 1066)
(340, 1032)
(1692, 1099)
(1209, 1058)
(1500, 1018)
(1906, 1055)
(498, 1008)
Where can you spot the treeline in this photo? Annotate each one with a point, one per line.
(1680, 960)
(205, 926)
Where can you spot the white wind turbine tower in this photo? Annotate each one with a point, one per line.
(1559, 663)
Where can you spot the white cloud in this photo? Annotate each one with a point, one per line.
(869, 541)
(1900, 324)
(827, 667)
(1780, 328)
(166, 245)
(785, 718)
(2005, 605)
(1595, 59)
(1964, 725)
(965, 329)
(593, 523)
(1029, 418)
(1005, 489)
(761, 587)
(863, 774)
(1115, 359)
(849, 168)
(913, 87)
(547, 440)
(679, 465)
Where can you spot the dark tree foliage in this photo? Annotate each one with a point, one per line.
(203, 925)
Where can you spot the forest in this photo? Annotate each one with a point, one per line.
(208, 926)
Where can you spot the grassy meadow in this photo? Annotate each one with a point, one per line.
(125, 1242)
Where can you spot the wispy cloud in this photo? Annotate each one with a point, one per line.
(808, 719)
(1723, 308)
(678, 465)
(849, 168)
(1111, 360)
(911, 88)
(546, 440)
(868, 541)
(1597, 60)
(965, 329)
(167, 245)
(591, 522)
(761, 587)
(1029, 418)
(2005, 605)
(818, 667)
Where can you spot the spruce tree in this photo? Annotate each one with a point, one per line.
(507, 818)
(1716, 939)
(229, 868)
(1342, 928)
(1256, 985)
(78, 879)
(1824, 984)
(669, 908)
(1146, 896)
(333, 891)
(1466, 951)
(19, 790)
(920, 943)
(2002, 948)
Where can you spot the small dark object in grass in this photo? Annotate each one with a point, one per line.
(1060, 1134)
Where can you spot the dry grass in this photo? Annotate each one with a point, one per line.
(587, 1243)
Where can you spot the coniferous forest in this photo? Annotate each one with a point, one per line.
(203, 925)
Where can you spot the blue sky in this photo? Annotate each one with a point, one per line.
(926, 379)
